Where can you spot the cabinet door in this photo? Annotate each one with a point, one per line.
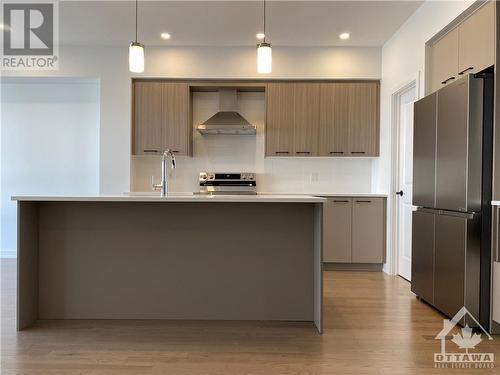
(279, 119)
(363, 119)
(368, 230)
(422, 255)
(147, 118)
(334, 119)
(306, 119)
(444, 60)
(175, 117)
(337, 230)
(476, 40)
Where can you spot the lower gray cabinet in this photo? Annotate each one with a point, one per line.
(337, 225)
(354, 230)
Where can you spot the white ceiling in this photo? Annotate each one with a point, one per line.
(232, 23)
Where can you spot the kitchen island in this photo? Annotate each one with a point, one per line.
(178, 257)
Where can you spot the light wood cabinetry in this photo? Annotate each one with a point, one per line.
(363, 119)
(476, 40)
(444, 60)
(322, 119)
(368, 230)
(306, 119)
(280, 99)
(337, 230)
(147, 124)
(467, 48)
(354, 230)
(160, 118)
(334, 119)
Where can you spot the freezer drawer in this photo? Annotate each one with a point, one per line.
(449, 275)
(496, 292)
(424, 151)
(422, 271)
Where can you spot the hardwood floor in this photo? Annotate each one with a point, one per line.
(373, 325)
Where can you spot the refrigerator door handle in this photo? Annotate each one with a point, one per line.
(465, 215)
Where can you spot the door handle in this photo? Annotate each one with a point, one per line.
(463, 71)
(400, 193)
(447, 80)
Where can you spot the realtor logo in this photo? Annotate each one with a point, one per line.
(466, 339)
(30, 35)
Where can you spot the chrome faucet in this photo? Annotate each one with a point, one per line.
(163, 186)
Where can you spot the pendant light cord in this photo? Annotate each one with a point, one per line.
(264, 21)
(136, 6)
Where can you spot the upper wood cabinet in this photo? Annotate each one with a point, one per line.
(280, 100)
(349, 124)
(476, 40)
(363, 119)
(306, 119)
(444, 60)
(160, 118)
(147, 118)
(467, 48)
(334, 119)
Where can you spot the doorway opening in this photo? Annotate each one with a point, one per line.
(402, 182)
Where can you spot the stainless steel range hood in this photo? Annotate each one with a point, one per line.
(227, 121)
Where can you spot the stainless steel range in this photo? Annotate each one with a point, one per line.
(228, 183)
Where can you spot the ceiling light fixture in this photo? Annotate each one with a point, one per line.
(260, 36)
(136, 51)
(165, 36)
(344, 36)
(264, 52)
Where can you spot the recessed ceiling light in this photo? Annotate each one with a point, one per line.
(165, 36)
(260, 36)
(344, 36)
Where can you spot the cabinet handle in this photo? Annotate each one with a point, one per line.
(336, 152)
(340, 201)
(150, 150)
(463, 71)
(358, 152)
(175, 151)
(282, 152)
(363, 201)
(447, 80)
(303, 152)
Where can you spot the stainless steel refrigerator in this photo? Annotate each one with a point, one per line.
(452, 168)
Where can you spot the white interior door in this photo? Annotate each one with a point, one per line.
(405, 188)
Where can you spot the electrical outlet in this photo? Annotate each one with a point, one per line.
(314, 177)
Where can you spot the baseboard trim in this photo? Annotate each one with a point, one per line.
(369, 267)
(8, 253)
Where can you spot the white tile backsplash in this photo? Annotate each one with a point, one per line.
(246, 153)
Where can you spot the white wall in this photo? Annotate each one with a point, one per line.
(110, 65)
(49, 143)
(403, 57)
(246, 153)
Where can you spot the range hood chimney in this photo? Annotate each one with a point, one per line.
(227, 120)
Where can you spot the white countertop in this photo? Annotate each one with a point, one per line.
(495, 203)
(175, 197)
(319, 194)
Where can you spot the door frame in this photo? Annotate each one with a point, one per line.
(414, 81)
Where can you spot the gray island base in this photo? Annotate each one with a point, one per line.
(122, 257)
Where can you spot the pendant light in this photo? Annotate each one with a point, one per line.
(136, 51)
(264, 52)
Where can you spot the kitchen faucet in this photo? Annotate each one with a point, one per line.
(162, 186)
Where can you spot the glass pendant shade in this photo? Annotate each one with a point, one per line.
(264, 58)
(136, 57)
